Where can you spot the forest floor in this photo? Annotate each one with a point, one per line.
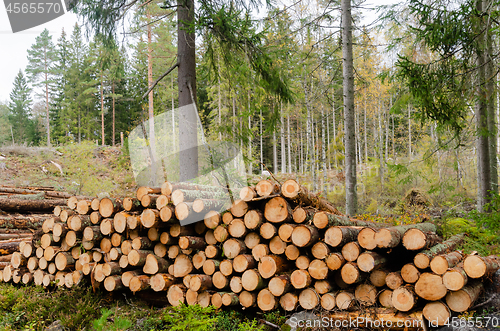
(92, 170)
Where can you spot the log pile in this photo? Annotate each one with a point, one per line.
(22, 211)
(275, 246)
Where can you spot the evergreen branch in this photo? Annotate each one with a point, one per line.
(160, 78)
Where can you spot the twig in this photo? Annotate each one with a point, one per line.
(160, 78)
(482, 304)
(270, 172)
(270, 324)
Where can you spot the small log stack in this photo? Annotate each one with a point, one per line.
(275, 246)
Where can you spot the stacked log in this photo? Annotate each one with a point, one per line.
(275, 246)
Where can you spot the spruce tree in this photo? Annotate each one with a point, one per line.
(20, 108)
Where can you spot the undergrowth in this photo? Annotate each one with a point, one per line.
(35, 308)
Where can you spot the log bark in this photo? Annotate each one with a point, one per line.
(392, 236)
(9, 247)
(20, 205)
(143, 190)
(369, 261)
(303, 214)
(252, 280)
(345, 300)
(109, 206)
(439, 264)
(161, 282)
(415, 239)
(477, 266)
(23, 222)
(247, 193)
(304, 235)
(132, 204)
(461, 300)
(270, 265)
(299, 194)
(210, 267)
(266, 188)
(423, 259)
(155, 264)
(233, 248)
(243, 262)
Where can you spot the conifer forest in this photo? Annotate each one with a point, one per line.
(360, 102)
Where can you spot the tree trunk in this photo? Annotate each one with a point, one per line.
(186, 55)
(490, 95)
(348, 83)
(483, 154)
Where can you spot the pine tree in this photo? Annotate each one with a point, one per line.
(42, 57)
(20, 108)
(58, 91)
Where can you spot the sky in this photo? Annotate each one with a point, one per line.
(14, 46)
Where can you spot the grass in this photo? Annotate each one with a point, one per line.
(35, 308)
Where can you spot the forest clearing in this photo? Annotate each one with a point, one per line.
(195, 165)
